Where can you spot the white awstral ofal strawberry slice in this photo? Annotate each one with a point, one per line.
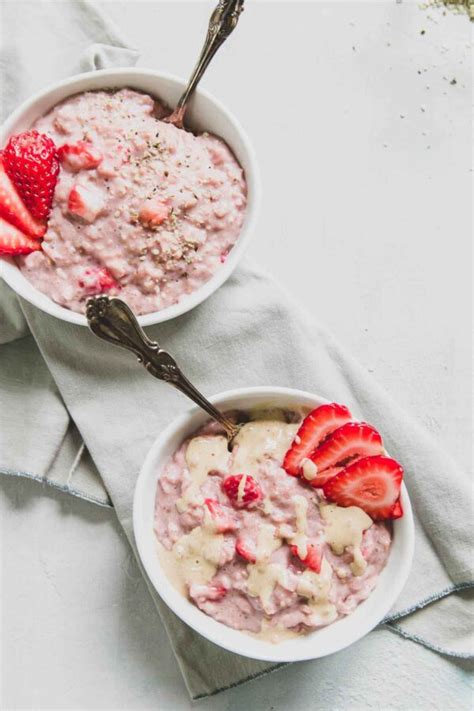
(85, 202)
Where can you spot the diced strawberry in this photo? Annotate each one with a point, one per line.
(354, 439)
(313, 558)
(86, 203)
(82, 155)
(221, 516)
(246, 498)
(31, 161)
(314, 428)
(107, 169)
(106, 280)
(14, 211)
(202, 593)
(12, 241)
(96, 280)
(372, 483)
(246, 550)
(153, 213)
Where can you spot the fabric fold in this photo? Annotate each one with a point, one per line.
(225, 340)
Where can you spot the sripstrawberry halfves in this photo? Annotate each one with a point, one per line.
(82, 155)
(246, 550)
(221, 516)
(14, 211)
(313, 430)
(242, 490)
(352, 440)
(313, 557)
(96, 280)
(204, 593)
(31, 161)
(13, 241)
(372, 483)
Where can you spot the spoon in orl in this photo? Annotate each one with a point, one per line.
(113, 321)
(223, 21)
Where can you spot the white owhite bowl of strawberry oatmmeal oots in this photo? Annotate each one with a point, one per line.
(290, 546)
(99, 195)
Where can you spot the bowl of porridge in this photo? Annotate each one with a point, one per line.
(157, 215)
(264, 548)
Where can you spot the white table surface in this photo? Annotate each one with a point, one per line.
(364, 147)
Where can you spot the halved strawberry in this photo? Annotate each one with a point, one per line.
(372, 483)
(12, 241)
(213, 591)
(313, 558)
(314, 428)
(354, 439)
(242, 495)
(31, 161)
(85, 202)
(14, 211)
(221, 516)
(82, 155)
(153, 213)
(97, 280)
(246, 550)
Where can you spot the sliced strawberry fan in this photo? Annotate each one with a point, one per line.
(28, 175)
(348, 461)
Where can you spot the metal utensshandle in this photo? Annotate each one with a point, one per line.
(113, 321)
(222, 23)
